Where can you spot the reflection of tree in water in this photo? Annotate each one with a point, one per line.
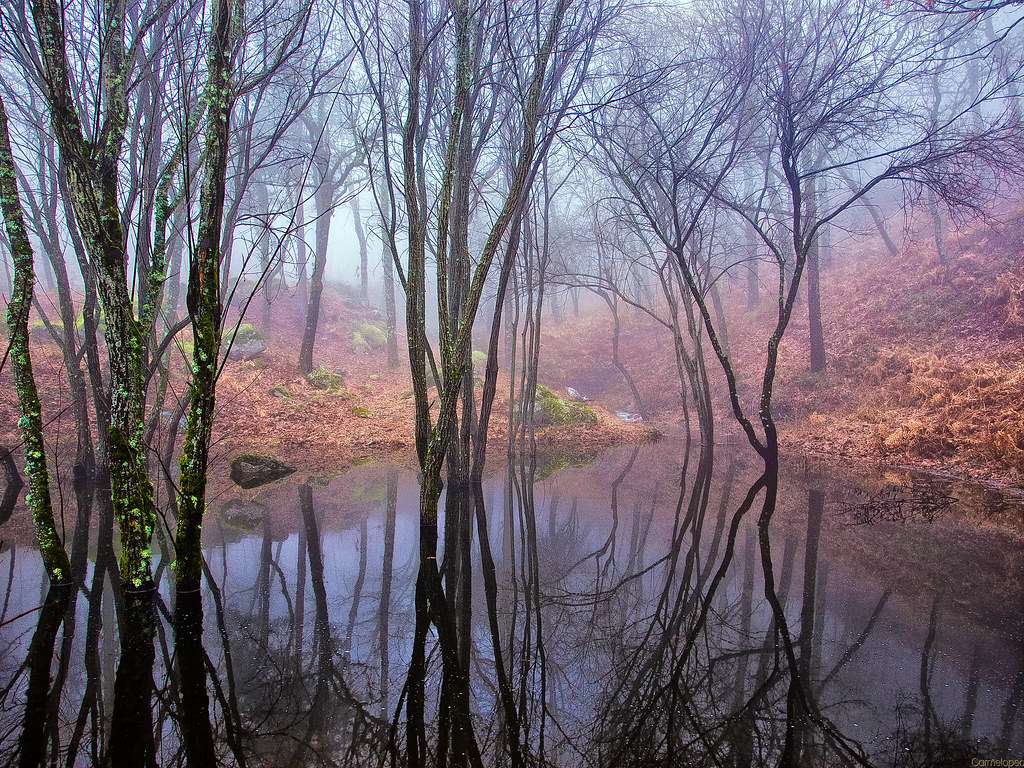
(919, 502)
(632, 639)
(294, 701)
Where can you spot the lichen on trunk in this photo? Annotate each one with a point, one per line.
(55, 557)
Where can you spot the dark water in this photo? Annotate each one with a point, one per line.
(632, 609)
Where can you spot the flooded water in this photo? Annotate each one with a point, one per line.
(630, 609)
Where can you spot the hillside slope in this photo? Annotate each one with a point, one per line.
(925, 365)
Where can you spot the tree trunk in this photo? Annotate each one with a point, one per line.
(390, 309)
(323, 197)
(816, 333)
(753, 278)
(301, 279)
(204, 305)
(54, 556)
(364, 271)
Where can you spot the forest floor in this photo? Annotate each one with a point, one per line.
(925, 364)
(265, 405)
(925, 370)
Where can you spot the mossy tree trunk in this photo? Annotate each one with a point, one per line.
(55, 557)
(204, 303)
(48, 231)
(92, 180)
(433, 436)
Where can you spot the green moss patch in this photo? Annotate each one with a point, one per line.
(551, 410)
(368, 337)
(323, 378)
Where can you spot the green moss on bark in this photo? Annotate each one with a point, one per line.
(55, 557)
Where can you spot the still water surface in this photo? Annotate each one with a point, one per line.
(632, 610)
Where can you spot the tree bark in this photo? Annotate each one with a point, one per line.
(51, 548)
(323, 198)
(364, 270)
(204, 303)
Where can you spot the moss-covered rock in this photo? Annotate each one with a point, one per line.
(551, 410)
(251, 470)
(368, 337)
(280, 391)
(325, 379)
(479, 360)
(247, 332)
(361, 412)
(244, 516)
(247, 343)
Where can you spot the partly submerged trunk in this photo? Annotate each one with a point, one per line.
(204, 306)
(93, 184)
(55, 558)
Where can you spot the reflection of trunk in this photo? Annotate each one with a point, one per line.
(509, 710)
(1011, 710)
(262, 595)
(131, 727)
(798, 732)
(799, 702)
(105, 563)
(971, 696)
(40, 659)
(357, 590)
(197, 735)
(321, 628)
(742, 732)
(299, 627)
(924, 681)
(384, 609)
(323, 198)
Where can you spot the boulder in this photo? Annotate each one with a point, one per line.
(243, 515)
(247, 343)
(246, 350)
(368, 337)
(251, 470)
(325, 379)
(551, 410)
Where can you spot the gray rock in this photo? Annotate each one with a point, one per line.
(246, 350)
(629, 417)
(243, 515)
(575, 394)
(251, 470)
